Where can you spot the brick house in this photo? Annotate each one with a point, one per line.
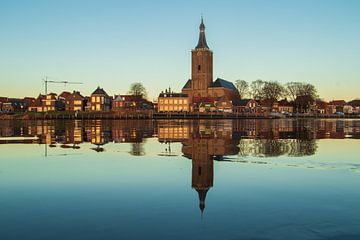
(122, 102)
(100, 100)
(244, 106)
(37, 105)
(173, 102)
(28, 101)
(75, 102)
(285, 106)
(51, 103)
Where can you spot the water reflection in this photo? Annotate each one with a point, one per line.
(246, 137)
(202, 141)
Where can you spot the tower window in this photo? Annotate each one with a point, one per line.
(199, 68)
(199, 171)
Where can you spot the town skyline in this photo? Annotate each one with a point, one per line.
(154, 49)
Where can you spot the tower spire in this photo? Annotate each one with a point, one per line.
(202, 39)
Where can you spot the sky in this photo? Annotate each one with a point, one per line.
(112, 44)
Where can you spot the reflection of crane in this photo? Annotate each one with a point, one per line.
(46, 81)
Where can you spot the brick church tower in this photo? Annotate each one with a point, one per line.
(202, 66)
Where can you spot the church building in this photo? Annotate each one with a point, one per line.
(201, 87)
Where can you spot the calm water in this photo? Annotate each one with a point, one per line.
(231, 179)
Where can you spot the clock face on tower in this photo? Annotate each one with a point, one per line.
(198, 54)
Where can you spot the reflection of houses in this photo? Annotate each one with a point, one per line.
(131, 131)
(98, 133)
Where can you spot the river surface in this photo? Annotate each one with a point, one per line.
(207, 179)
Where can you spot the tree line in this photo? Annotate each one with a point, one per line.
(302, 94)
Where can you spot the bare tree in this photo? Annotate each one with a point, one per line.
(242, 87)
(138, 89)
(257, 89)
(272, 90)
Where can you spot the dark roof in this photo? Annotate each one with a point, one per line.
(223, 83)
(173, 95)
(355, 102)
(240, 102)
(285, 102)
(100, 91)
(202, 39)
(188, 84)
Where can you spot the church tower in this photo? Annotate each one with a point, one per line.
(202, 66)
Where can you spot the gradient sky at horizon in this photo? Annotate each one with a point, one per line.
(114, 43)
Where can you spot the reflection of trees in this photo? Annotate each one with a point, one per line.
(137, 149)
(300, 147)
(277, 147)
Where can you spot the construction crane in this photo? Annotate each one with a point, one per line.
(46, 81)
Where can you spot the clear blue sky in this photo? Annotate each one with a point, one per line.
(115, 43)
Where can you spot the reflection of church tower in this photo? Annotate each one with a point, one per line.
(202, 65)
(202, 175)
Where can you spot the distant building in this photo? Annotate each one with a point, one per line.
(137, 102)
(201, 84)
(100, 100)
(37, 105)
(75, 102)
(173, 102)
(246, 106)
(285, 106)
(14, 105)
(2, 101)
(28, 101)
(339, 104)
(50, 103)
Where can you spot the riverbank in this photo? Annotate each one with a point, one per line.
(153, 115)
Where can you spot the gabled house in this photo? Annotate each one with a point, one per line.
(100, 100)
(37, 105)
(75, 102)
(50, 103)
(245, 106)
(285, 106)
(122, 102)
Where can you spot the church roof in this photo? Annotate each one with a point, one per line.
(187, 84)
(241, 102)
(223, 83)
(202, 39)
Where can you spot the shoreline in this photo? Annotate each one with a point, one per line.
(142, 115)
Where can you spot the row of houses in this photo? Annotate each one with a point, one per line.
(168, 101)
(99, 100)
(179, 102)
